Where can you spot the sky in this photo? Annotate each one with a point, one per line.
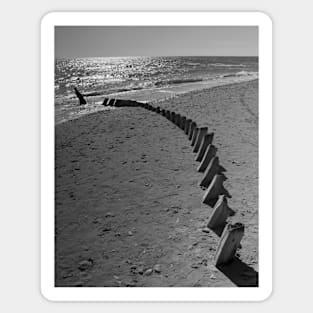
(115, 41)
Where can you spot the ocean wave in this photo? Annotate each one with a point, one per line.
(177, 81)
(239, 74)
(193, 63)
(225, 65)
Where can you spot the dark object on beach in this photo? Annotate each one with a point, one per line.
(229, 243)
(105, 101)
(80, 97)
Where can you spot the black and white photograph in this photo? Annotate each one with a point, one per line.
(156, 156)
(148, 156)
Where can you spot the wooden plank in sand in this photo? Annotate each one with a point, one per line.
(168, 114)
(119, 103)
(209, 155)
(215, 189)
(193, 126)
(214, 168)
(80, 97)
(187, 125)
(105, 101)
(177, 119)
(201, 133)
(220, 213)
(182, 122)
(194, 136)
(229, 243)
(206, 141)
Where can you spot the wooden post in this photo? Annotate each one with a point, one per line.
(187, 126)
(221, 212)
(168, 114)
(206, 141)
(177, 119)
(105, 101)
(215, 189)
(210, 153)
(192, 128)
(213, 168)
(182, 122)
(201, 133)
(158, 110)
(80, 96)
(173, 117)
(229, 243)
(194, 136)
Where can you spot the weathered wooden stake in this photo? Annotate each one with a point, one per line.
(193, 126)
(213, 168)
(187, 126)
(105, 101)
(201, 133)
(133, 103)
(206, 141)
(220, 213)
(177, 119)
(215, 189)
(173, 117)
(80, 97)
(229, 243)
(182, 122)
(194, 136)
(210, 153)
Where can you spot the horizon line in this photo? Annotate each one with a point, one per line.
(159, 56)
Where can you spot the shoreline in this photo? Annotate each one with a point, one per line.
(128, 195)
(152, 95)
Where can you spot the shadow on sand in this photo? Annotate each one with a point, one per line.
(240, 273)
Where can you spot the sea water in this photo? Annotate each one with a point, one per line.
(141, 78)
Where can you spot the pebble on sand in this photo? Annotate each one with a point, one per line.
(206, 230)
(148, 272)
(157, 268)
(86, 264)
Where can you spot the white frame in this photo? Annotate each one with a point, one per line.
(264, 23)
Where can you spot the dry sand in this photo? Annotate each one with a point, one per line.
(128, 199)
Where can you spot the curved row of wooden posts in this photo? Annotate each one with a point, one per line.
(215, 194)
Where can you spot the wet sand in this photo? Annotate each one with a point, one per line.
(129, 207)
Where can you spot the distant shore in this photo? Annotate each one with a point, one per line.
(127, 194)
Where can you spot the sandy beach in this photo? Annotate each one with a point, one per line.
(129, 208)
